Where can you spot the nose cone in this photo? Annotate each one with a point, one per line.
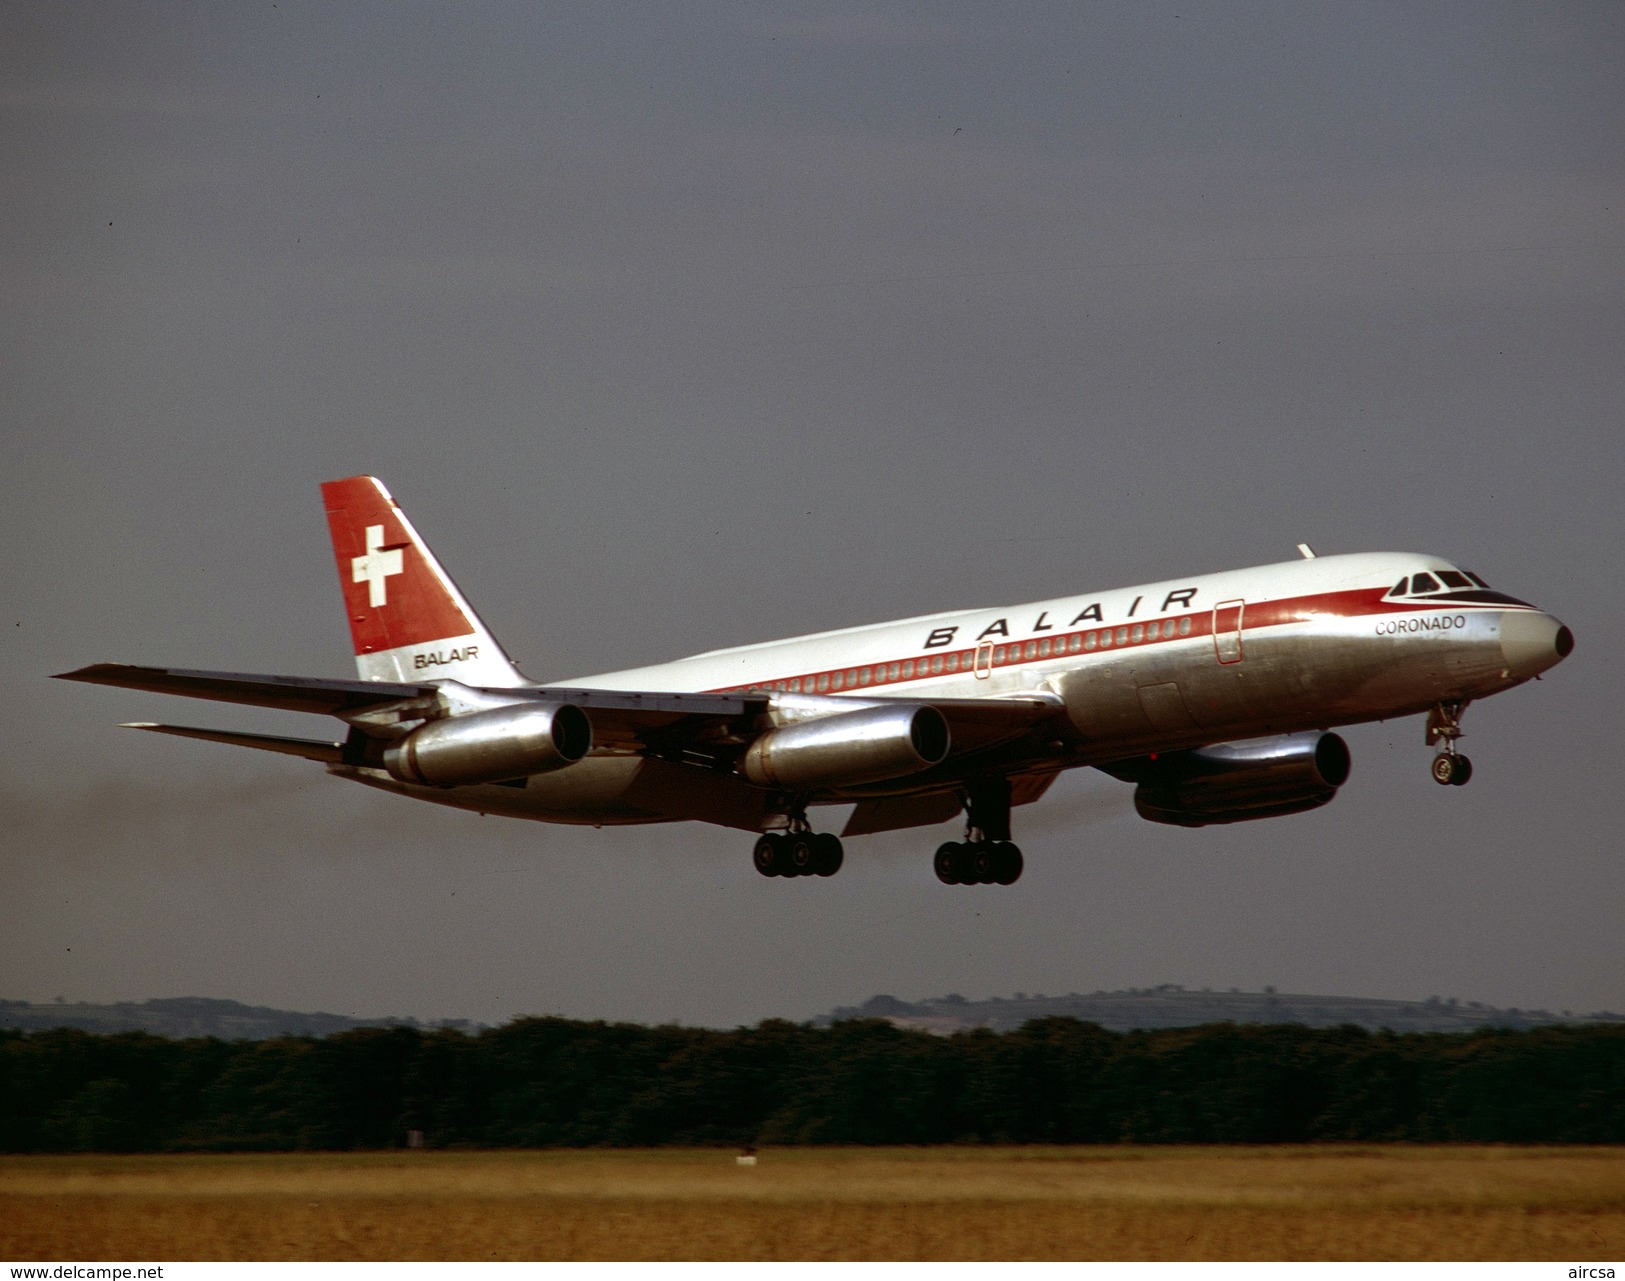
(1531, 642)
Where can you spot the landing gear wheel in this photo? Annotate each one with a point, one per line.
(1451, 770)
(1007, 863)
(983, 863)
(946, 863)
(827, 854)
(768, 856)
(801, 855)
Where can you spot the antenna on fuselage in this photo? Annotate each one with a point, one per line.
(1306, 551)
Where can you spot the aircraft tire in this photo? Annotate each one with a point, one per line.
(801, 855)
(1450, 770)
(983, 863)
(768, 856)
(946, 863)
(1007, 863)
(827, 854)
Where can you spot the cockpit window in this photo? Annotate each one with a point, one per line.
(1423, 583)
(1399, 589)
(1476, 579)
(1451, 578)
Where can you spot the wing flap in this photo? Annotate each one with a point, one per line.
(635, 720)
(978, 723)
(892, 813)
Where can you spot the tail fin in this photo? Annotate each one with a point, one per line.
(407, 618)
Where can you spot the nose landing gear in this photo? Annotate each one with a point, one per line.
(1450, 767)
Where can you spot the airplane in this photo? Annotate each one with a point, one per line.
(1214, 695)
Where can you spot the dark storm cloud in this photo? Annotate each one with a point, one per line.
(690, 326)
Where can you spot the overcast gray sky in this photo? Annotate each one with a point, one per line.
(683, 326)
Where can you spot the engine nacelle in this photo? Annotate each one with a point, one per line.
(1234, 782)
(493, 746)
(844, 750)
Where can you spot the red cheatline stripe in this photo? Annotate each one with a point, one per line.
(1259, 615)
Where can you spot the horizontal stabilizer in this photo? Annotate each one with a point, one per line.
(309, 749)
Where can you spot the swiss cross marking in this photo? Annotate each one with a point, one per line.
(377, 565)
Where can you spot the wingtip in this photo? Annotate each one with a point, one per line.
(96, 673)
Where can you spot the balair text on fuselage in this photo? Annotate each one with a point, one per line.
(1090, 613)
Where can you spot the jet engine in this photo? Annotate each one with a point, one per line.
(492, 746)
(1233, 782)
(849, 748)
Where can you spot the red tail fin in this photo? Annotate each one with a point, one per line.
(407, 618)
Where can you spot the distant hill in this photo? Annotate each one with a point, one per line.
(185, 1016)
(1173, 1006)
(1144, 1008)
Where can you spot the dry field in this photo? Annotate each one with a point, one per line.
(960, 1203)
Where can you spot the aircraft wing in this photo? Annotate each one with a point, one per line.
(335, 696)
(291, 693)
(631, 720)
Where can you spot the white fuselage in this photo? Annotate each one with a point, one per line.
(1161, 667)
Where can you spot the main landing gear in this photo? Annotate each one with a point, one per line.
(978, 863)
(986, 856)
(1450, 767)
(798, 853)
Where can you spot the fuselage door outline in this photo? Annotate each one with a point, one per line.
(1227, 624)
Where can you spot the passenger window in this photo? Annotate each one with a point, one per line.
(908, 669)
(1138, 634)
(1076, 643)
(1105, 638)
(998, 656)
(936, 665)
(953, 662)
(1089, 641)
(893, 671)
(823, 683)
(1185, 625)
(1043, 648)
(1122, 636)
(795, 686)
(1452, 579)
(1423, 583)
(835, 682)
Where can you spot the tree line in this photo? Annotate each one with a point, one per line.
(549, 1082)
